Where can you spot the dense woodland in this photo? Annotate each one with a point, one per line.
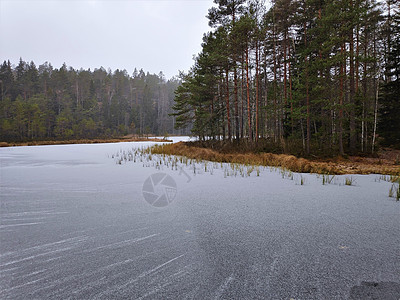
(311, 76)
(305, 76)
(40, 103)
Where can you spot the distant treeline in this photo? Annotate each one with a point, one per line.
(40, 103)
(309, 76)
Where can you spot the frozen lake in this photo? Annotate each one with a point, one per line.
(75, 225)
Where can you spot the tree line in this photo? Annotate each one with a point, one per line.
(311, 76)
(48, 103)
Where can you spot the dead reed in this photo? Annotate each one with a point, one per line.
(288, 162)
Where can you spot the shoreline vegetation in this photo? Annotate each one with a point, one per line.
(386, 162)
(128, 138)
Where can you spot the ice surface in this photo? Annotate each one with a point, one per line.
(74, 223)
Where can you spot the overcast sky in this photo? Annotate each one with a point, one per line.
(156, 35)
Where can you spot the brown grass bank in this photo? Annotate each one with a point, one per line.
(335, 166)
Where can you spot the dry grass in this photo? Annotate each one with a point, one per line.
(289, 162)
(83, 141)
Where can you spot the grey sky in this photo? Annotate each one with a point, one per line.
(154, 35)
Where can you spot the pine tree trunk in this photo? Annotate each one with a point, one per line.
(236, 104)
(275, 127)
(242, 100)
(357, 58)
(290, 92)
(340, 129)
(375, 116)
(257, 100)
(227, 105)
(389, 36)
(248, 93)
(265, 113)
(352, 94)
(307, 98)
(235, 89)
(284, 68)
(221, 104)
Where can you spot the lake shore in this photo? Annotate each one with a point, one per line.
(84, 141)
(386, 163)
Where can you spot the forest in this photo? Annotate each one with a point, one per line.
(46, 103)
(309, 76)
(302, 76)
